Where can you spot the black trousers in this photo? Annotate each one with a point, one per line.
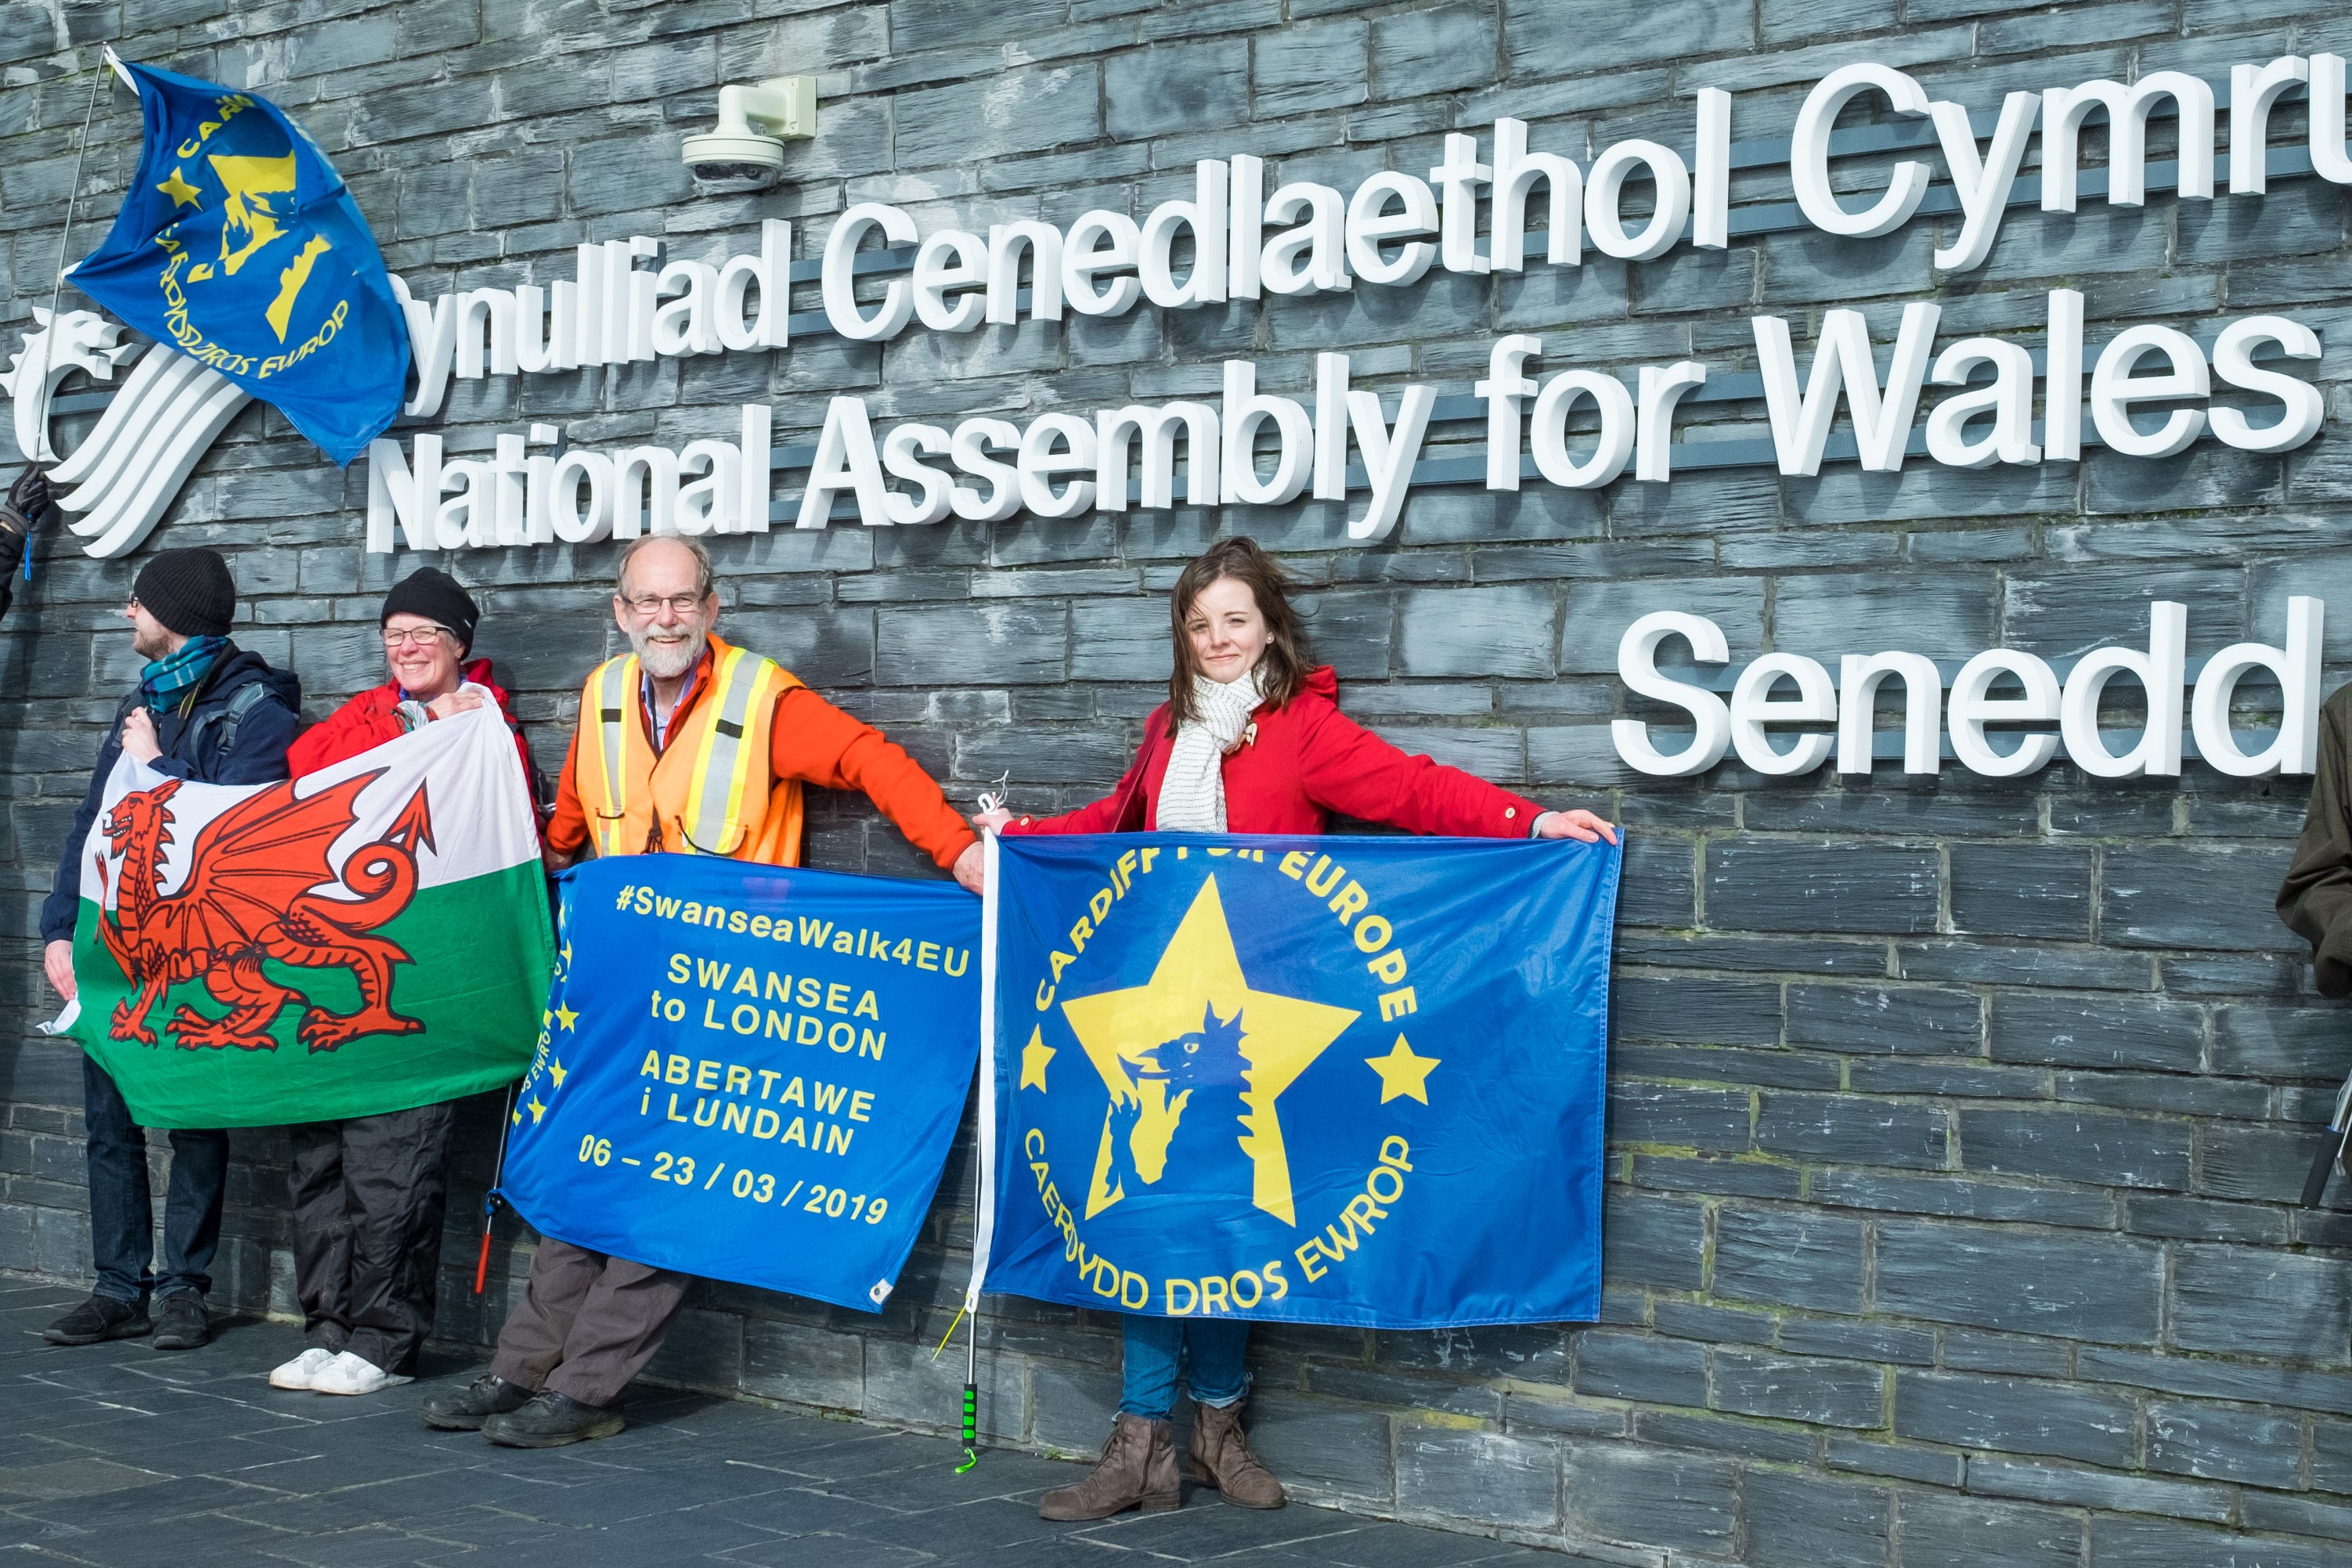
(369, 1192)
(121, 1208)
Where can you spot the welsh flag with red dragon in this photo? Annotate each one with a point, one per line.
(371, 937)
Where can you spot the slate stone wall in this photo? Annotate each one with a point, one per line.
(1956, 1124)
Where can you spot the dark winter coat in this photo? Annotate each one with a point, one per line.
(2317, 899)
(192, 750)
(1299, 766)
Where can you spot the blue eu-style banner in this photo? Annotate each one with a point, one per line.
(748, 1072)
(238, 244)
(1349, 1081)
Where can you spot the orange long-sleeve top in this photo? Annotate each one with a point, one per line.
(816, 742)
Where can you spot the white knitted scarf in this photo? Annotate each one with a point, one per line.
(1193, 794)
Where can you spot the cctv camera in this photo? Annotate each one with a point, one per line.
(746, 149)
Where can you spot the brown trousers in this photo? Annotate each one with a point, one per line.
(587, 1324)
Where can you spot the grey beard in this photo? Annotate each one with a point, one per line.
(667, 661)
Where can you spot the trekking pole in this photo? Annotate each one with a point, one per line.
(490, 1198)
(2339, 1129)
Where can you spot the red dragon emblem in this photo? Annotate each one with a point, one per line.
(259, 887)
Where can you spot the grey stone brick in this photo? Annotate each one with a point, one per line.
(1017, 643)
(1790, 1259)
(1619, 1491)
(2114, 1151)
(2021, 889)
(804, 1366)
(1654, 1113)
(2095, 1489)
(1933, 1465)
(1853, 1129)
(2069, 1286)
(1769, 886)
(1937, 613)
(1491, 1474)
(1444, 50)
(1294, 70)
(1658, 883)
(2096, 1031)
(1652, 1242)
(1961, 1532)
(1799, 1389)
(2299, 1388)
(1728, 1064)
(1796, 1522)
(1598, 614)
(1479, 631)
(1641, 1366)
(998, 116)
(1701, 1011)
(2303, 1302)
(2016, 1417)
(1904, 1019)
(1337, 1452)
(2223, 1444)
(2140, 902)
(2127, 1542)
(1187, 87)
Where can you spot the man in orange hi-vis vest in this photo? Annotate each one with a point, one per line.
(686, 744)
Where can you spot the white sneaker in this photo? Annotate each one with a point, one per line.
(299, 1372)
(349, 1373)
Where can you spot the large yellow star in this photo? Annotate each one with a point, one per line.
(182, 195)
(556, 1072)
(566, 1017)
(537, 1109)
(1200, 971)
(1033, 1057)
(1401, 1072)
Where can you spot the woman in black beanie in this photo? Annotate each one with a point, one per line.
(369, 1191)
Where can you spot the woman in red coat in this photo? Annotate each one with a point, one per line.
(369, 1191)
(1249, 741)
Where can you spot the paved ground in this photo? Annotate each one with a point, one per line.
(124, 1456)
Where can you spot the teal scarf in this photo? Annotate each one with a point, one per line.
(173, 679)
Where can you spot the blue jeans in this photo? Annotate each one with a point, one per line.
(122, 1214)
(1210, 1352)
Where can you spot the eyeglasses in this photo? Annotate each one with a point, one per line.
(417, 636)
(650, 605)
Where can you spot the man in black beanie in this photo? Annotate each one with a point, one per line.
(206, 711)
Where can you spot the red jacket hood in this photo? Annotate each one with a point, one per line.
(1323, 681)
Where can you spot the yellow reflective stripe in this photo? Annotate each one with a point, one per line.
(706, 829)
(614, 693)
(757, 696)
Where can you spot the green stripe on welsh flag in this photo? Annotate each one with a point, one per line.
(371, 937)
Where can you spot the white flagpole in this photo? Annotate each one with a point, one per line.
(983, 1219)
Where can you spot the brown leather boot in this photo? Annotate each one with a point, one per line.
(1138, 1471)
(1220, 1458)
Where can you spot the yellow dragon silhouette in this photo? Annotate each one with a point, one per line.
(251, 184)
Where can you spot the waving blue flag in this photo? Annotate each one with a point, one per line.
(748, 1072)
(1301, 1080)
(238, 243)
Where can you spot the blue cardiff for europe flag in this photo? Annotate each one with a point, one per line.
(238, 243)
(1302, 1080)
(748, 1072)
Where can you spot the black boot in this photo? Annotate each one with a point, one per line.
(99, 1318)
(465, 1409)
(180, 1322)
(551, 1421)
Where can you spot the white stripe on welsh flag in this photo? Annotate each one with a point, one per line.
(475, 790)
